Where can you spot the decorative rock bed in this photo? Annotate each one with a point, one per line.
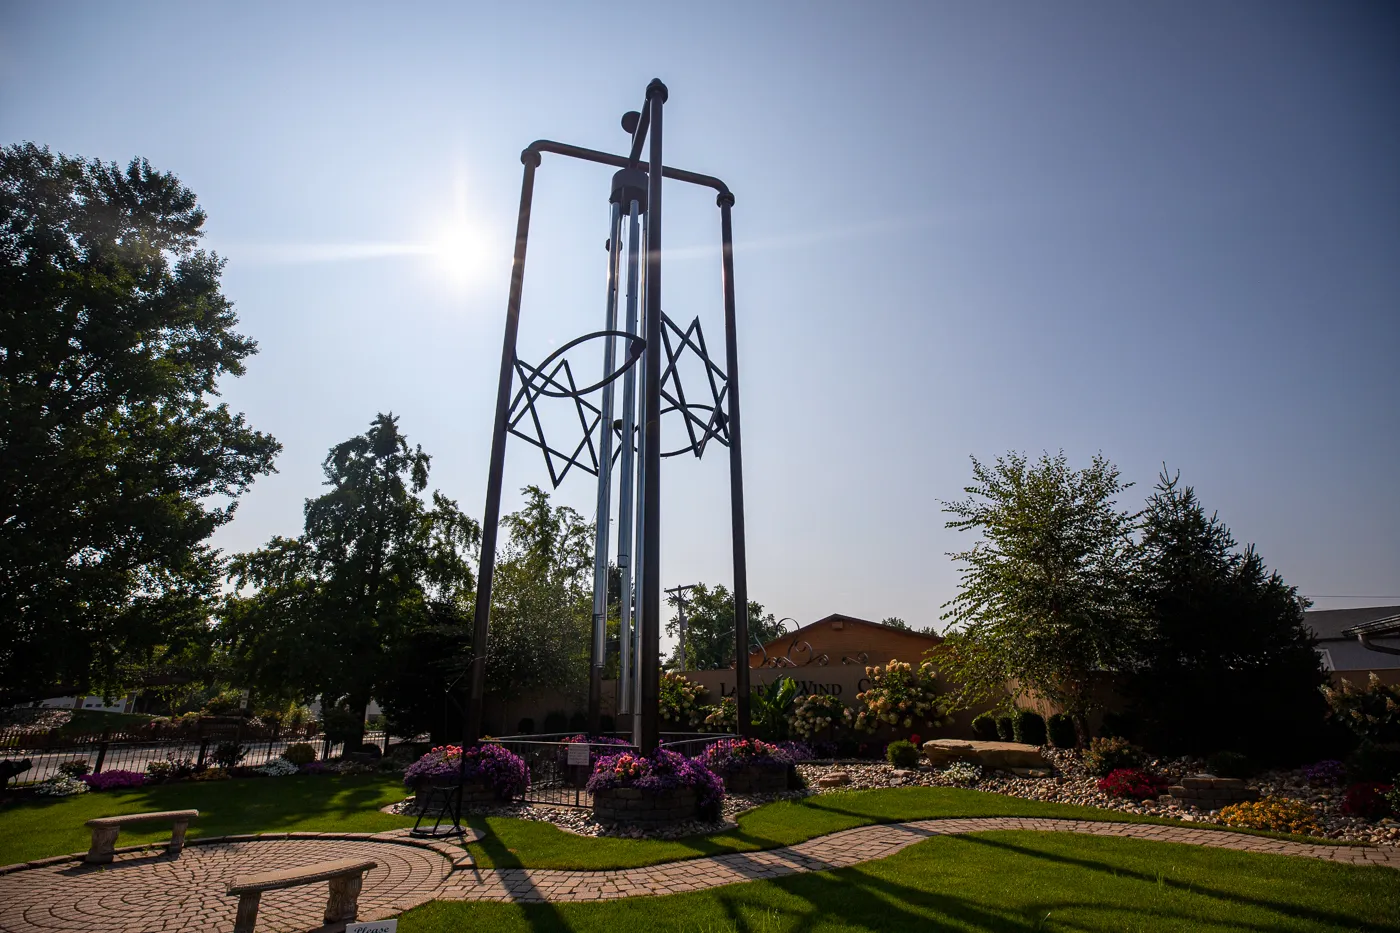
(631, 806)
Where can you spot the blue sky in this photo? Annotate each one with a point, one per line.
(1167, 232)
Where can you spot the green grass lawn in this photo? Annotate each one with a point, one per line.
(41, 827)
(86, 721)
(1022, 881)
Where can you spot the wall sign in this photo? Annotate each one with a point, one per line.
(578, 753)
(373, 926)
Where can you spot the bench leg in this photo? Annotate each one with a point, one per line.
(247, 912)
(177, 837)
(104, 840)
(344, 902)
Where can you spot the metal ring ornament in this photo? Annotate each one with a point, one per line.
(636, 347)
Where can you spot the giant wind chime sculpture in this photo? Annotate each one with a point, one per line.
(652, 345)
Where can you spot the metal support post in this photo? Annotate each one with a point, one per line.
(626, 475)
(604, 512)
(491, 515)
(736, 473)
(650, 673)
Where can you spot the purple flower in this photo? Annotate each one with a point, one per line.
(107, 780)
(729, 755)
(1329, 773)
(488, 764)
(664, 771)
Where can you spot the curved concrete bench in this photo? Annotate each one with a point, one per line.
(345, 875)
(106, 828)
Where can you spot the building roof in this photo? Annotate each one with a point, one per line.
(1388, 626)
(1335, 624)
(838, 617)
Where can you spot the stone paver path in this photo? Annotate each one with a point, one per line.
(139, 893)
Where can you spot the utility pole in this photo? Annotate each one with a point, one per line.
(678, 593)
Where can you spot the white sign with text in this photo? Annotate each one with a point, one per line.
(374, 926)
(578, 753)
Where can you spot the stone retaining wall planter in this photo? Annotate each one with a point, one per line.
(630, 805)
(1204, 792)
(756, 780)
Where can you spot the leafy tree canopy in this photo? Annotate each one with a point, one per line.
(116, 464)
(709, 627)
(895, 622)
(328, 612)
(1043, 602)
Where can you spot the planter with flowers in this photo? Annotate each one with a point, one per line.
(489, 774)
(749, 766)
(665, 788)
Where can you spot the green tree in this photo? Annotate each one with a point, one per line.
(1227, 662)
(709, 627)
(542, 600)
(895, 622)
(1043, 604)
(328, 610)
(116, 464)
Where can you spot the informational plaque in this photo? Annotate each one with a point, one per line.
(578, 753)
(374, 926)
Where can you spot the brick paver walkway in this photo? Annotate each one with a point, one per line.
(139, 893)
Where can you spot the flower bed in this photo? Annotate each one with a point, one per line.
(900, 696)
(1133, 784)
(748, 766)
(107, 780)
(488, 772)
(666, 788)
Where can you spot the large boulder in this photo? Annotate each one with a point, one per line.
(1001, 756)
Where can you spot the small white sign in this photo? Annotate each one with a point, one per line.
(374, 926)
(578, 753)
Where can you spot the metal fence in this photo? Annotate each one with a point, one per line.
(559, 771)
(126, 752)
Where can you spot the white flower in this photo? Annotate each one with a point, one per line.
(62, 786)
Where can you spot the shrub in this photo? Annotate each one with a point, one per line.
(64, 785)
(816, 713)
(301, 753)
(556, 720)
(1060, 730)
(1028, 727)
(902, 754)
(525, 726)
(729, 755)
(171, 769)
(1327, 773)
(1229, 765)
(606, 723)
(680, 700)
(371, 749)
(665, 771)
(798, 751)
(1276, 814)
(279, 767)
(107, 780)
(210, 774)
(1367, 800)
(1115, 725)
(228, 754)
(579, 720)
(723, 716)
(1371, 713)
(963, 773)
(1133, 784)
(342, 724)
(1108, 755)
(1372, 762)
(984, 727)
(1006, 729)
(75, 768)
(228, 702)
(1392, 796)
(900, 695)
(491, 765)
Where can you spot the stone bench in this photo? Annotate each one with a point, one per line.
(106, 828)
(345, 876)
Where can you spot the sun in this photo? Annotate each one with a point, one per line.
(458, 253)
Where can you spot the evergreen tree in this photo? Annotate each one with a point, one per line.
(1227, 662)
